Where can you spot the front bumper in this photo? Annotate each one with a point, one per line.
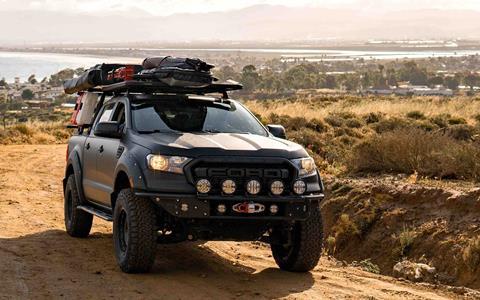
(193, 206)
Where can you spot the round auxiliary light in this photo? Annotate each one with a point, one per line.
(299, 187)
(277, 187)
(253, 187)
(273, 209)
(203, 186)
(229, 186)
(221, 208)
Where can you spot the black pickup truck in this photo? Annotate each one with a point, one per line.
(169, 167)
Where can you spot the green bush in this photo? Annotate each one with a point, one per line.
(417, 115)
(456, 121)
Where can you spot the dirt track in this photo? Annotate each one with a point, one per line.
(39, 260)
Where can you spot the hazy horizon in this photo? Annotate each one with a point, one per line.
(169, 7)
(120, 21)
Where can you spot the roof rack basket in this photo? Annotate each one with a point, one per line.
(151, 87)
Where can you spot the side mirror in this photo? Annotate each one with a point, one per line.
(277, 131)
(108, 129)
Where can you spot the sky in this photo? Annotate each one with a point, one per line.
(168, 7)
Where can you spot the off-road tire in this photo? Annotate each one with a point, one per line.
(78, 223)
(134, 232)
(305, 249)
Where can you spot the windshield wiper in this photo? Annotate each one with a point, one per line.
(211, 131)
(148, 131)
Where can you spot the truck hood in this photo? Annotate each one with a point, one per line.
(212, 144)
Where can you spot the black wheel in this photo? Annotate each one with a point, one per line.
(298, 248)
(134, 232)
(77, 222)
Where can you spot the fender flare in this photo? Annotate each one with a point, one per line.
(131, 167)
(74, 161)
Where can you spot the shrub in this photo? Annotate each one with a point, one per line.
(307, 137)
(317, 125)
(23, 129)
(425, 125)
(334, 120)
(415, 114)
(373, 117)
(330, 245)
(390, 125)
(409, 150)
(440, 120)
(461, 132)
(477, 118)
(367, 265)
(344, 229)
(456, 121)
(406, 239)
(353, 123)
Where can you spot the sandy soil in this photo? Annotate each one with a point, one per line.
(38, 260)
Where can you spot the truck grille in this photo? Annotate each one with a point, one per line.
(241, 173)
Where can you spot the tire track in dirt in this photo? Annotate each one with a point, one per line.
(40, 261)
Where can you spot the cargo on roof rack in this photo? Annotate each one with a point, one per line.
(135, 86)
(156, 75)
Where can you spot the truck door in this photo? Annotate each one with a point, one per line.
(108, 155)
(91, 186)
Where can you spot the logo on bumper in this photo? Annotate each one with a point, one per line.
(248, 208)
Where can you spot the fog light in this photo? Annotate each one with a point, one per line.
(184, 207)
(253, 187)
(221, 208)
(273, 209)
(203, 186)
(299, 187)
(229, 186)
(277, 187)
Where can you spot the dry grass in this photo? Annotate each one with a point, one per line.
(35, 133)
(467, 107)
(432, 136)
(414, 150)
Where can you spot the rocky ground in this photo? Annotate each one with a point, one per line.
(39, 261)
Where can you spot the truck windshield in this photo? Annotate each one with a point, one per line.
(181, 116)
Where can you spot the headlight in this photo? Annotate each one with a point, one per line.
(306, 166)
(173, 164)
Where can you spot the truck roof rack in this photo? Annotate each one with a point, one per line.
(136, 86)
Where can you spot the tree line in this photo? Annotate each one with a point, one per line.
(313, 76)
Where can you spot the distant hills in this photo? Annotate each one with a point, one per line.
(260, 22)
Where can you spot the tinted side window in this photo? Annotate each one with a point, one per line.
(119, 115)
(106, 113)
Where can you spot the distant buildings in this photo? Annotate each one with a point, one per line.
(41, 91)
(413, 90)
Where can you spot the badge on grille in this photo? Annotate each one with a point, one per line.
(248, 208)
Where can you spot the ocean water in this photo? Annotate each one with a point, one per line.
(23, 64)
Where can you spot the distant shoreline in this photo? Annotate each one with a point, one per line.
(127, 54)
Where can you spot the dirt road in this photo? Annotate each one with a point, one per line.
(38, 260)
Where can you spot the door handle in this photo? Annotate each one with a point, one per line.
(87, 146)
(100, 149)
